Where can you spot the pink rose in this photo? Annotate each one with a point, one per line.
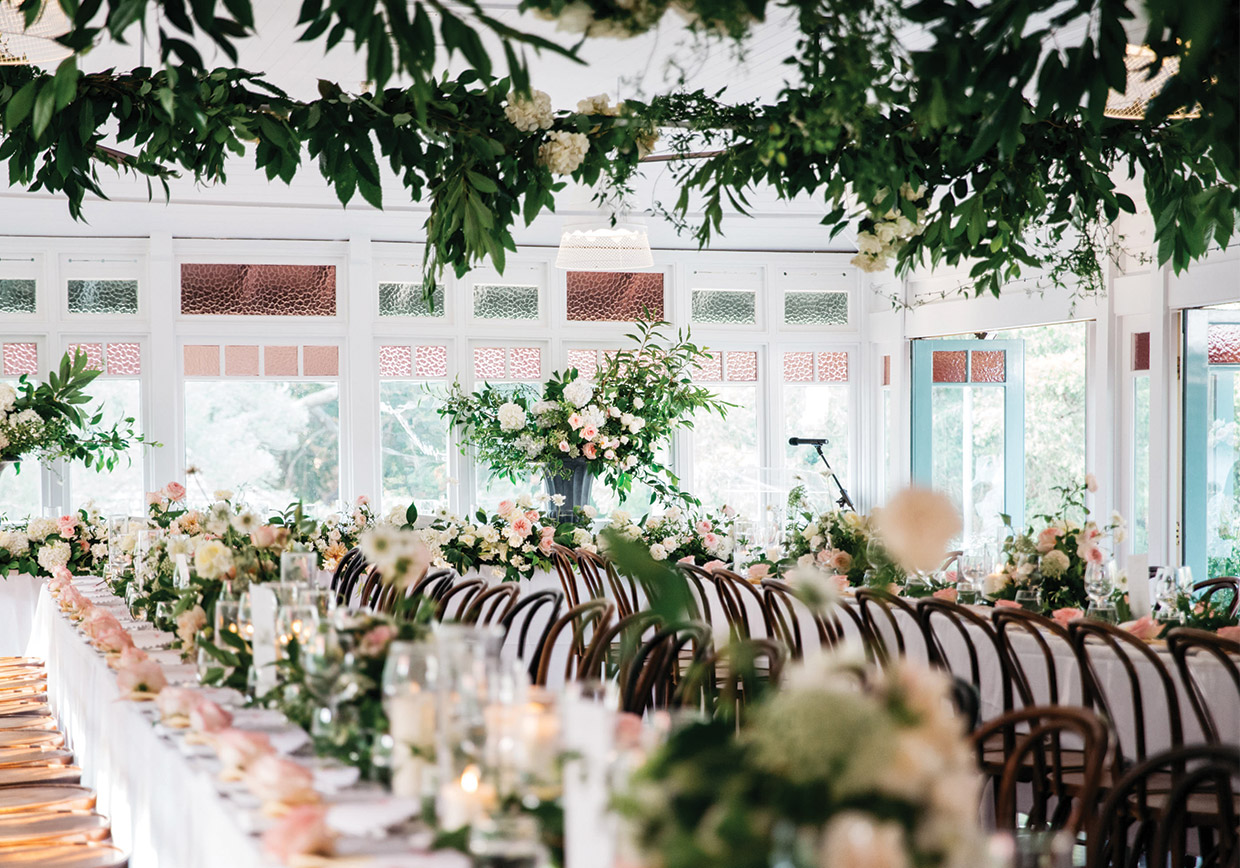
(948, 594)
(729, 511)
(711, 566)
(62, 573)
(276, 779)
(574, 421)
(758, 572)
(206, 716)
(522, 527)
(590, 451)
(66, 525)
(710, 539)
(823, 557)
(1064, 616)
(264, 536)
(111, 639)
(547, 541)
(532, 515)
(841, 583)
(588, 432)
(1232, 633)
(687, 559)
(174, 491)
(177, 702)
(154, 498)
(704, 526)
(375, 641)
(237, 748)
(505, 507)
(362, 500)
(143, 677)
(842, 561)
(1007, 604)
(1144, 628)
(1095, 555)
(301, 831)
(1046, 539)
(564, 447)
(132, 656)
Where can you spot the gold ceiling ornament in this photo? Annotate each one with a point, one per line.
(1141, 88)
(22, 44)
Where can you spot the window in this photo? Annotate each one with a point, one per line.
(118, 394)
(887, 472)
(727, 453)
(17, 295)
(401, 298)
(271, 440)
(210, 289)
(20, 493)
(513, 368)
(816, 404)
(502, 301)
(103, 296)
(413, 437)
(613, 296)
(1139, 509)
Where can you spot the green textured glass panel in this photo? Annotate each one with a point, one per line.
(17, 296)
(406, 299)
(103, 296)
(816, 308)
(496, 301)
(724, 306)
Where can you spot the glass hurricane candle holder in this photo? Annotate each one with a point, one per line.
(299, 568)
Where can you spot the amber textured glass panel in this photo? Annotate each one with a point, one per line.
(258, 290)
(202, 361)
(94, 355)
(124, 360)
(816, 308)
(432, 361)
(798, 367)
(1141, 351)
(103, 296)
(613, 296)
(833, 367)
(406, 299)
(724, 306)
(1223, 342)
(989, 366)
(21, 359)
(505, 301)
(240, 360)
(489, 363)
(280, 361)
(950, 366)
(711, 369)
(886, 370)
(17, 296)
(395, 362)
(320, 361)
(525, 363)
(585, 361)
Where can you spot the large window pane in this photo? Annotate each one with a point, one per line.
(1140, 519)
(726, 459)
(415, 446)
(120, 490)
(967, 455)
(20, 493)
(817, 410)
(1223, 473)
(271, 442)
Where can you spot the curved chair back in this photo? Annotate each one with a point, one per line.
(592, 570)
(651, 679)
(490, 606)
(1032, 686)
(743, 604)
(587, 621)
(953, 635)
(343, 566)
(883, 626)
(535, 614)
(456, 599)
(1226, 588)
(1185, 644)
(699, 580)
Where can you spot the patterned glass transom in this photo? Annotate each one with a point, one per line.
(505, 301)
(507, 363)
(614, 296)
(103, 296)
(406, 299)
(1223, 343)
(21, 358)
(816, 308)
(17, 296)
(258, 290)
(803, 366)
(724, 306)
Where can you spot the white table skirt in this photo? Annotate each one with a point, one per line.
(19, 593)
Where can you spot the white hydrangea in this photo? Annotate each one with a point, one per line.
(511, 416)
(55, 554)
(529, 445)
(563, 151)
(530, 113)
(8, 397)
(40, 528)
(594, 416)
(14, 542)
(578, 392)
(599, 105)
(581, 537)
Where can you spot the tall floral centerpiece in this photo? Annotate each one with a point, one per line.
(47, 420)
(577, 428)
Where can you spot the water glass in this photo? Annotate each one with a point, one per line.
(300, 568)
(118, 528)
(285, 592)
(507, 841)
(1030, 599)
(147, 538)
(409, 702)
(245, 617)
(294, 622)
(227, 619)
(1098, 583)
(1103, 610)
(323, 600)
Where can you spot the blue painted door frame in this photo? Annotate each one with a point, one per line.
(1013, 413)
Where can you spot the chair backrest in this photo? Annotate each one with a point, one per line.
(1025, 679)
(1225, 587)
(1201, 799)
(490, 606)
(1064, 789)
(743, 604)
(624, 589)
(592, 569)
(617, 642)
(1200, 644)
(954, 632)
(1090, 640)
(883, 626)
(372, 588)
(699, 581)
(534, 615)
(782, 605)
(349, 579)
(455, 599)
(343, 566)
(587, 621)
(652, 677)
(424, 591)
(741, 680)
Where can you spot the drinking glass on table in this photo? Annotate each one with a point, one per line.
(507, 841)
(118, 528)
(1030, 599)
(323, 600)
(973, 567)
(294, 622)
(409, 702)
(299, 568)
(1099, 582)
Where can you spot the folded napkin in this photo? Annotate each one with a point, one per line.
(333, 778)
(371, 816)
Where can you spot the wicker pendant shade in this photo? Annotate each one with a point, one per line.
(22, 44)
(601, 246)
(1141, 88)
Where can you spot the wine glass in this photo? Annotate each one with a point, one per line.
(295, 623)
(974, 566)
(1099, 582)
(323, 600)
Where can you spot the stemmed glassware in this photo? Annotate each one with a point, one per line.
(409, 702)
(974, 566)
(1099, 583)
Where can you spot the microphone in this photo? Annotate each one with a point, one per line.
(808, 441)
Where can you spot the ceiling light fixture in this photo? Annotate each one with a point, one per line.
(599, 245)
(1141, 89)
(22, 44)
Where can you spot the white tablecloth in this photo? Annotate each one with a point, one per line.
(18, 594)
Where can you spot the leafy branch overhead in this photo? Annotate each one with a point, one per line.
(982, 149)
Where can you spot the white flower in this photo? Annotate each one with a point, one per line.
(563, 152)
(223, 494)
(40, 528)
(99, 551)
(4, 441)
(581, 537)
(55, 554)
(620, 518)
(995, 583)
(1054, 563)
(1091, 482)
(854, 839)
(868, 243)
(511, 416)
(8, 397)
(245, 522)
(213, 559)
(578, 392)
(598, 105)
(916, 526)
(530, 113)
(28, 418)
(14, 542)
(189, 623)
(557, 499)
(589, 511)
(658, 552)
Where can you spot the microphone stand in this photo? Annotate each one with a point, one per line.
(844, 500)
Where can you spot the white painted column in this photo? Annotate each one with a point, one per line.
(162, 401)
(360, 462)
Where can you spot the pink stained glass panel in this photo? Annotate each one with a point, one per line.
(240, 360)
(280, 361)
(1223, 342)
(798, 367)
(585, 361)
(489, 363)
(1141, 351)
(950, 366)
(613, 296)
(320, 361)
(21, 358)
(94, 355)
(833, 367)
(711, 369)
(525, 363)
(743, 366)
(258, 290)
(395, 361)
(989, 366)
(202, 360)
(432, 361)
(124, 360)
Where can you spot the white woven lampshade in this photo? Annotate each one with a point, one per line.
(1141, 89)
(604, 247)
(21, 45)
